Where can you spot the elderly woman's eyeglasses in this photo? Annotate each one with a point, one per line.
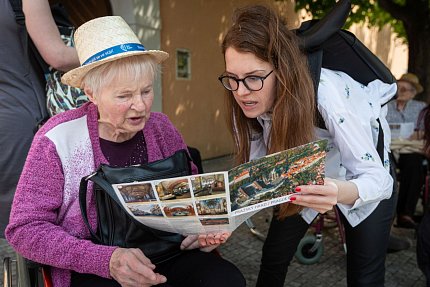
(252, 83)
(405, 90)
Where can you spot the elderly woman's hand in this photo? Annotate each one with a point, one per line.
(130, 267)
(206, 242)
(321, 198)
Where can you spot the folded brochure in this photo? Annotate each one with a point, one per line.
(221, 201)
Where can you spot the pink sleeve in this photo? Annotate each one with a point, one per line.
(34, 230)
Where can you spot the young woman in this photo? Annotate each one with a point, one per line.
(271, 108)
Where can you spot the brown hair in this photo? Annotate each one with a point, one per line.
(259, 30)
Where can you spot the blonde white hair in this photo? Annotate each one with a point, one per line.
(133, 67)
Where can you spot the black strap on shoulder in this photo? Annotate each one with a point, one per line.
(380, 143)
(17, 9)
(315, 64)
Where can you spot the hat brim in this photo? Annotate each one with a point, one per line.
(417, 87)
(74, 77)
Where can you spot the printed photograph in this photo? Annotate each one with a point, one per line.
(137, 192)
(206, 185)
(277, 175)
(179, 209)
(214, 221)
(212, 206)
(178, 188)
(145, 209)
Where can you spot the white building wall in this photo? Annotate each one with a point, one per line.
(143, 16)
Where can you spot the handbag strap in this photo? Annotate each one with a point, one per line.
(83, 187)
(98, 179)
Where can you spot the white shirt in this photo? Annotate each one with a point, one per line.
(350, 111)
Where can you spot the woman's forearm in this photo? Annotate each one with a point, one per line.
(44, 32)
(348, 192)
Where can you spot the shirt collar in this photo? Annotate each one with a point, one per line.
(264, 119)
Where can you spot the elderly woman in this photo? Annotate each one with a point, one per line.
(115, 128)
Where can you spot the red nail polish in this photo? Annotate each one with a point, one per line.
(292, 198)
(298, 189)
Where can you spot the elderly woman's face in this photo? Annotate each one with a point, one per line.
(405, 91)
(124, 107)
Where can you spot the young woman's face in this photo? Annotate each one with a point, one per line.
(124, 107)
(240, 65)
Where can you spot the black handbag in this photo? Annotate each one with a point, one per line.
(115, 227)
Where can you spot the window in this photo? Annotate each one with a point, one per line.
(183, 64)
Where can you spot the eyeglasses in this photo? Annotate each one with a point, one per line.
(252, 83)
(404, 90)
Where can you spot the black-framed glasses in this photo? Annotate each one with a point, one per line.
(252, 83)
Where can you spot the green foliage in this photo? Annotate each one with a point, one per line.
(363, 11)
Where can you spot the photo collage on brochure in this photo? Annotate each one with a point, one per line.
(221, 201)
(198, 199)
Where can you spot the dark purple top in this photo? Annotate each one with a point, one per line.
(130, 152)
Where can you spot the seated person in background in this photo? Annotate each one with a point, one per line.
(115, 128)
(401, 111)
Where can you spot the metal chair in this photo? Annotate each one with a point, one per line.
(311, 247)
(28, 273)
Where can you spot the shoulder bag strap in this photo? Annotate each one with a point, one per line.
(380, 143)
(17, 9)
(98, 179)
(83, 187)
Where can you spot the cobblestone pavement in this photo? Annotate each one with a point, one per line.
(244, 250)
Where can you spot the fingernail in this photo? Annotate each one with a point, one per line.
(298, 189)
(292, 198)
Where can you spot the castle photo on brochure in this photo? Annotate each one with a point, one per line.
(277, 175)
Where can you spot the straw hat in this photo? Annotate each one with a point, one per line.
(413, 80)
(104, 40)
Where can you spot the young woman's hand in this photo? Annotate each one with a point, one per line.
(321, 198)
(206, 242)
(130, 267)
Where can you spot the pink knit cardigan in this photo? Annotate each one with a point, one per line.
(46, 224)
